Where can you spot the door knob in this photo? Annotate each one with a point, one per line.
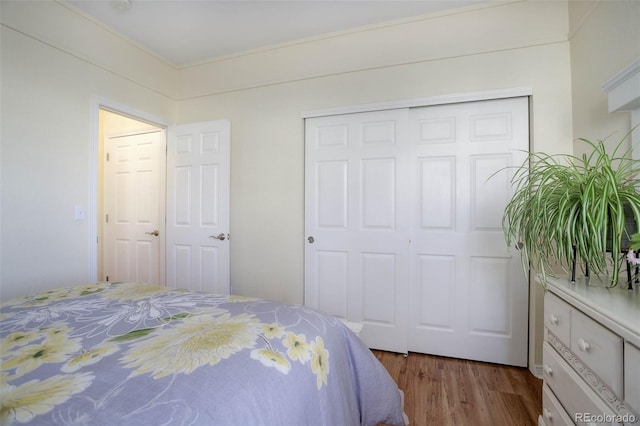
(220, 236)
(154, 233)
(311, 240)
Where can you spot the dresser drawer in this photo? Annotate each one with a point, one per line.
(557, 317)
(552, 412)
(632, 376)
(578, 400)
(599, 349)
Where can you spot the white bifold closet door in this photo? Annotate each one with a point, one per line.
(403, 220)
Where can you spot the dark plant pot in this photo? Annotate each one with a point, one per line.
(631, 228)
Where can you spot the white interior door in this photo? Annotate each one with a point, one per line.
(198, 196)
(134, 207)
(357, 222)
(469, 295)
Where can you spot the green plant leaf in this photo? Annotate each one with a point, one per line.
(562, 202)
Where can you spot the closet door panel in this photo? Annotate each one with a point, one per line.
(490, 192)
(475, 306)
(356, 222)
(379, 288)
(436, 275)
(437, 202)
(331, 203)
(332, 276)
(378, 196)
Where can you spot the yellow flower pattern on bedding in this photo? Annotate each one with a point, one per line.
(297, 347)
(50, 345)
(199, 340)
(273, 330)
(89, 357)
(46, 297)
(271, 358)
(23, 403)
(132, 291)
(20, 338)
(148, 331)
(319, 361)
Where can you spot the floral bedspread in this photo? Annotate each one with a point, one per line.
(138, 354)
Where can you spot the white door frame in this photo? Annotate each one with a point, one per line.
(98, 103)
(514, 92)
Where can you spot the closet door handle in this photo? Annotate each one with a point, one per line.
(220, 236)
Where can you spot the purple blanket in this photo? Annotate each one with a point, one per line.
(137, 354)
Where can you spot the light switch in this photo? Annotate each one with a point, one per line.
(79, 213)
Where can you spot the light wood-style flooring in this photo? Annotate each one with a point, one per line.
(447, 391)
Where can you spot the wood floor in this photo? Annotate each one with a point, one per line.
(446, 391)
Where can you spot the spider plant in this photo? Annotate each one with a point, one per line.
(635, 242)
(566, 209)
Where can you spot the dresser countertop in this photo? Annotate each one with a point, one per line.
(616, 308)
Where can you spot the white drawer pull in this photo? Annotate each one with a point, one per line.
(554, 319)
(548, 415)
(583, 345)
(547, 370)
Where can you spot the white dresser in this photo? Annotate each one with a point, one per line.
(591, 354)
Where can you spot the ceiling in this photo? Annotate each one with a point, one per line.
(185, 32)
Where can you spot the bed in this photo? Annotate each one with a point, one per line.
(140, 354)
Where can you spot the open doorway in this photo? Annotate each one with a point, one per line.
(195, 192)
(126, 249)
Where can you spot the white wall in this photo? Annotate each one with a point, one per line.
(46, 140)
(605, 38)
(466, 32)
(62, 28)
